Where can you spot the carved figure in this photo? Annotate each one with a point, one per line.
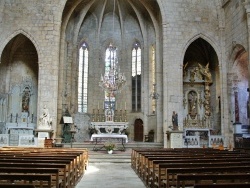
(192, 101)
(25, 100)
(205, 72)
(175, 120)
(45, 121)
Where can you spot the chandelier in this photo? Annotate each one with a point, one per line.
(113, 80)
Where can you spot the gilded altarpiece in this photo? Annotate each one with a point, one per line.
(197, 80)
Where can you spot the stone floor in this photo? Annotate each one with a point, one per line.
(103, 173)
(110, 175)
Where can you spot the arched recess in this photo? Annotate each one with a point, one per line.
(238, 80)
(19, 78)
(201, 75)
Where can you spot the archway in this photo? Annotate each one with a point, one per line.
(201, 91)
(239, 91)
(19, 85)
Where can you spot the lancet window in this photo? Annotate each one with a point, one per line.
(83, 78)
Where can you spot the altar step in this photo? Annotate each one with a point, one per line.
(118, 156)
(129, 145)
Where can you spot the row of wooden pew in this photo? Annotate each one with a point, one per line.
(195, 167)
(42, 167)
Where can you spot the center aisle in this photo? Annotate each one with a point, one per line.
(110, 171)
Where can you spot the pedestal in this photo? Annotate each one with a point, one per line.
(175, 138)
(42, 134)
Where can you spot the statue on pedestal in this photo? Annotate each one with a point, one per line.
(175, 120)
(45, 121)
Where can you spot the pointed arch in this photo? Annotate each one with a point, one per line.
(204, 37)
(14, 34)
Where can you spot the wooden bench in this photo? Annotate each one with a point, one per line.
(63, 175)
(54, 172)
(39, 180)
(10, 185)
(213, 178)
(152, 162)
(223, 185)
(76, 169)
(171, 173)
(73, 161)
(159, 167)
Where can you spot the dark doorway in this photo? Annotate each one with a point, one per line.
(138, 130)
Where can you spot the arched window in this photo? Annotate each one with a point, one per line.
(153, 75)
(83, 78)
(136, 77)
(111, 64)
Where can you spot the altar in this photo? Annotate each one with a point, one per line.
(99, 138)
(109, 127)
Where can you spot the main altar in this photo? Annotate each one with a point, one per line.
(110, 123)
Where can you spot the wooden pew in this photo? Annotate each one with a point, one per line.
(213, 178)
(223, 185)
(75, 166)
(62, 168)
(159, 166)
(143, 161)
(45, 180)
(161, 178)
(152, 162)
(171, 173)
(54, 172)
(10, 185)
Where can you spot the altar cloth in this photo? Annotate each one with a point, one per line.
(94, 137)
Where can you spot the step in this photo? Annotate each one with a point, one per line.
(90, 145)
(101, 156)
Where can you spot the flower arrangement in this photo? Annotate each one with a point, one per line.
(109, 145)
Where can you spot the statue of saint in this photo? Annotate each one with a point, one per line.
(25, 100)
(192, 101)
(45, 121)
(175, 120)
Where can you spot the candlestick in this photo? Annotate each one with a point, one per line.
(125, 105)
(98, 106)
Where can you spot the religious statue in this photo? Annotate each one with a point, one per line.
(45, 121)
(192, 101)
(25, 100)
(175, 120)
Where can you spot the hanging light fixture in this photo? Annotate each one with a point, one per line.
(113, 80)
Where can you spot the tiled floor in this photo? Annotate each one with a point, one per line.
(110, 175)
